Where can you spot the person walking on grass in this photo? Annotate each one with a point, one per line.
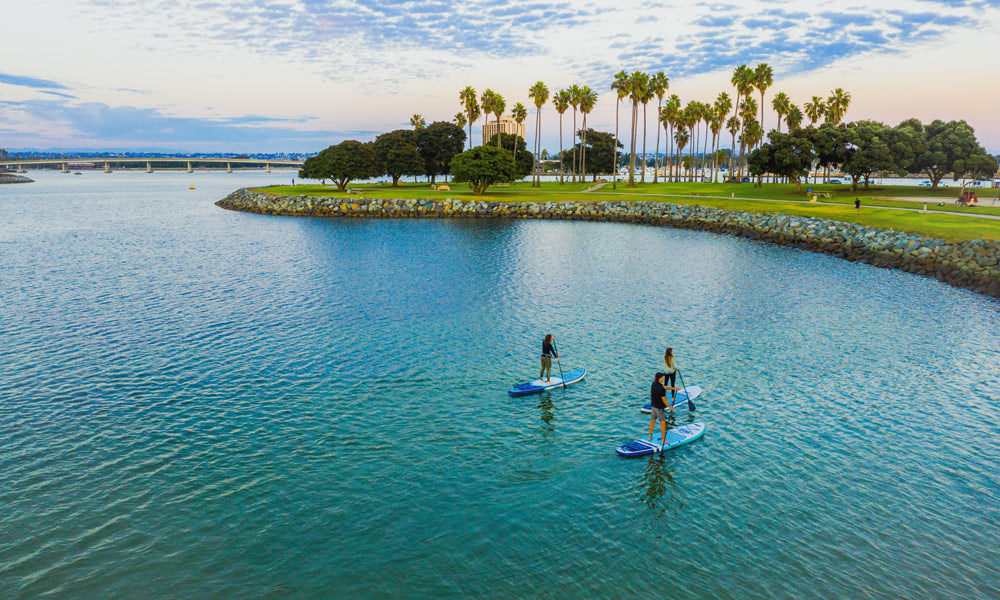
(670, 374)
(548, 353)
(857, 205)
(658, 403)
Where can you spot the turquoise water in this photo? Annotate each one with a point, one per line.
(198, 403)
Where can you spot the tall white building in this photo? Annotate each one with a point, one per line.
(505, 125)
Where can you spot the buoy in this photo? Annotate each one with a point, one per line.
(191, 188)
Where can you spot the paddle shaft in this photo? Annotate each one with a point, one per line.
(690, 404)
(559, 362)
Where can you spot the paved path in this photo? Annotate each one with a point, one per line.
(594, 188)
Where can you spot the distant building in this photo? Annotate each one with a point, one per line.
(505, 125)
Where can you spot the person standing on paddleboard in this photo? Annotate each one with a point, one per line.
(548, 353)
(658, 402)
(670, 374)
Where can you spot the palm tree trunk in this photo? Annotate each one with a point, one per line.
(574, 144)
(583, 150)
(656, 155)
(644, 142)
(561, 169)
(704, 152)
(631, 152)
(614, 165)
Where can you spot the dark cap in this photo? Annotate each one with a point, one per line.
(659, 375)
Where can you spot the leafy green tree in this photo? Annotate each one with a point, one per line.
(417, 121)
(787, 154)
(868, 151)
(437, 144)
(342, 163)
(482, 167)
(943, 148)
(601, 152)
(396, 154)
(523, 160)
(830, 144)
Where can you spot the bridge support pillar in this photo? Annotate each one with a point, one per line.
(229, 168)
(65, 168)
(107, 167)
(189, 167)
(267, 168)
(149, 167)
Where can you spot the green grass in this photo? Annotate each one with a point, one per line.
(771, 198)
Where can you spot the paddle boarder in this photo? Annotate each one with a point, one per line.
(670, 373)
(659, 405)
(548, 353)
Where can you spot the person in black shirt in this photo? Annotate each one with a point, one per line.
(659, 404)
(548, 352)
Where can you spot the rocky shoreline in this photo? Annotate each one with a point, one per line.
(11, 178)
(974, 264)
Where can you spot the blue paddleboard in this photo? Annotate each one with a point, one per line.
(678, 436)
(693, 392)
(539, 385)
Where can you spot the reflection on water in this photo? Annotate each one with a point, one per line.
(196, 402)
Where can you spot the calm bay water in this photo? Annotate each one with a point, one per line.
(197, 403)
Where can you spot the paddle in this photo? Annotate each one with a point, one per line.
(690, 404)
(559, 362)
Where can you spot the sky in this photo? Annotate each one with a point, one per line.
(299, 75)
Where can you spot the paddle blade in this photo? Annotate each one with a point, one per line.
(690, 405)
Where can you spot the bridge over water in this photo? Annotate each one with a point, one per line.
(21, 166)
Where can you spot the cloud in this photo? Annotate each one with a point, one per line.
(31, 82)
(125, 125)
(793, 42)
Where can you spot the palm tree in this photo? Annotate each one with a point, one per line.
(752, 135)
(647, 95)
(417, 121)
(763, 78)
(540, 94)
(638, 82)
(743, 79)
(520, 113)
(588, 98)
(733, 127)
(794, 117)
(681, 135)
(620, 85)
(815, 109)
(471, 108)
(671, 108)
(748, 115)
(658, 84)
(488, 102)
(721, 108)
(781, 105)
(837, 105)
(561, 101)
(460, 119)
(574, 101)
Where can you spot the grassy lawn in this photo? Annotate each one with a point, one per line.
(935, 223)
